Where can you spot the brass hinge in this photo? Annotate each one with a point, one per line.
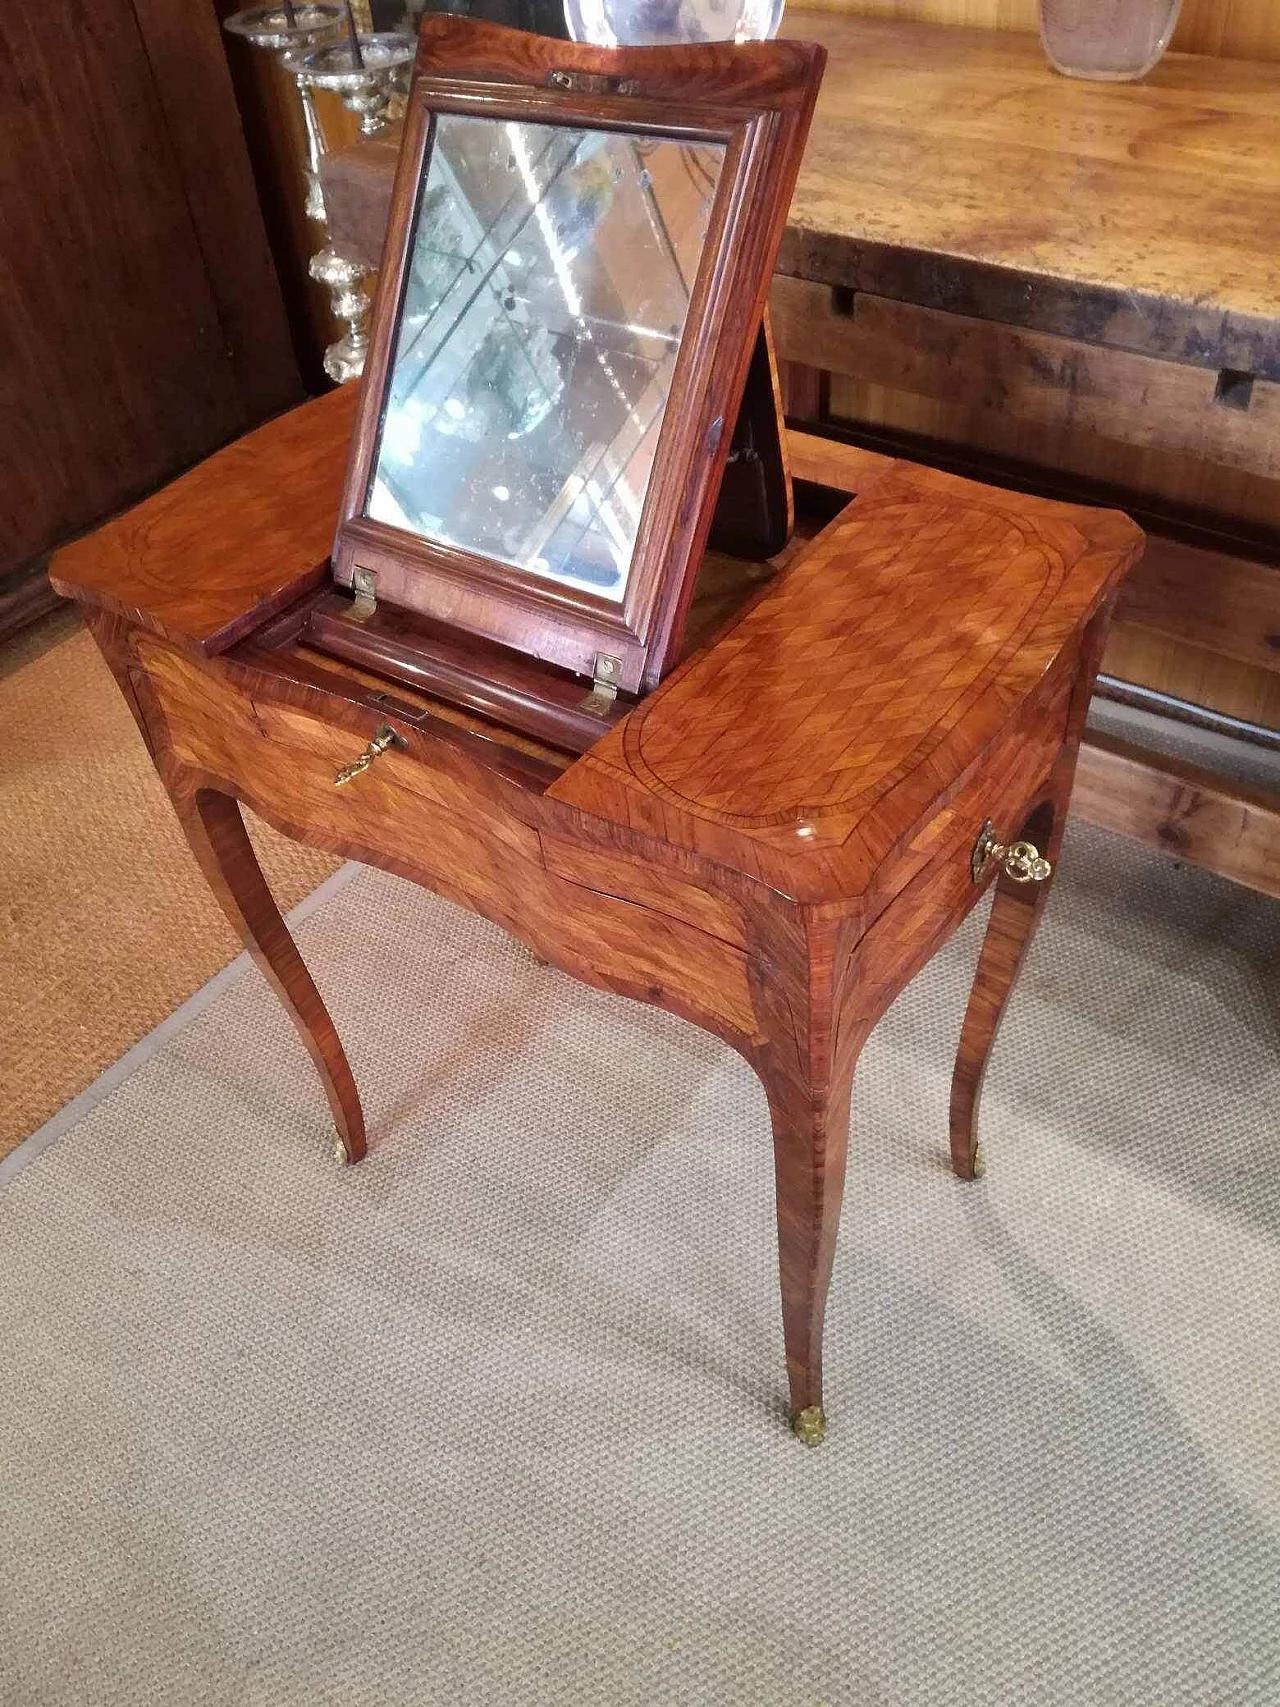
(592, 83)
(364, 583)
(604, 684)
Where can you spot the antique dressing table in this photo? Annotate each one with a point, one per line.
(478, 685)
(1066, 287)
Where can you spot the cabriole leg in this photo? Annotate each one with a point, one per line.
(810, 1149)
(1015, 913)
(220, 842)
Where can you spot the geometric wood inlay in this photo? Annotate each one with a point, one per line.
(841, 687)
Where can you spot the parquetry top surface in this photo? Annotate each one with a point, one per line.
(860, 690)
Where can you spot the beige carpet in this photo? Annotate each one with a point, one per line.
(496, 1417)
(106, 922)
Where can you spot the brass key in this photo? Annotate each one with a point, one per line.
(1022, 861)
(384, 736)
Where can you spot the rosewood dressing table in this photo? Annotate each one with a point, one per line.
(759, 790)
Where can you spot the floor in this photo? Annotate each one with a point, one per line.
(498, 1416)
(105, 924)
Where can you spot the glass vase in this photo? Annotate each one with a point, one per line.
(1112, 40)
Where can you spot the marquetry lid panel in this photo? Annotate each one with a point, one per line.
(843, 684)
(857, 693)
(212, 555)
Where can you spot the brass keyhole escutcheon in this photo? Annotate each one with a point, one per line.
(384, 736)
(1021, 861)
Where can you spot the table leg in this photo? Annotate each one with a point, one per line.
(220, 842)
(1015, 913)
(810, 1150)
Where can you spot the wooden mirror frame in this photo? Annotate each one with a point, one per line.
(758, 100)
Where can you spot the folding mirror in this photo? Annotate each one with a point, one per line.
(576, 268)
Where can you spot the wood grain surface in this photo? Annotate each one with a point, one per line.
(1182, 810)
(988, 185)
(816, 732)
(230, 543)
(953, 169)
(1034, 376)
(1243, 29)
(1216, 599)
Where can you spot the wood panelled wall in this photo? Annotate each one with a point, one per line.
(1232, 29)
(141, 323)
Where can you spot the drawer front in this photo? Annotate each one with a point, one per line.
(1230, 420)
(409, 816)
(1002, 789)
(930, 888)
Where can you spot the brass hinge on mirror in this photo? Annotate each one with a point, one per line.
(364, 583)
(604, 684)
(592, 83)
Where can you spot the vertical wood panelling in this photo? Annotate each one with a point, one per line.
(114, 363)
(1232, 29)
(184, 49)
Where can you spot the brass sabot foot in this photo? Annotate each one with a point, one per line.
(977, 1166)
(809, 1425)
(340, 1155)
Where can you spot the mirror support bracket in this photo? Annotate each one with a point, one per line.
(604, 684)
(364, 582)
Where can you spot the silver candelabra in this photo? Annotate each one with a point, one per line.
(319, 47)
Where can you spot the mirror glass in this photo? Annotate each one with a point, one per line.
(549, 276)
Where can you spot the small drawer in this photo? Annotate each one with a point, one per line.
(450, 828)
(285, 761)
(935, 895)
(1003, 790)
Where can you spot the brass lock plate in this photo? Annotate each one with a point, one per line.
(983, 848)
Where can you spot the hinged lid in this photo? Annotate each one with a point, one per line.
(577, 263)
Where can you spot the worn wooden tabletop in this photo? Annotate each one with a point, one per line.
(952, 168)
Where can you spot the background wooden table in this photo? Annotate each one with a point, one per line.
(1067, 287)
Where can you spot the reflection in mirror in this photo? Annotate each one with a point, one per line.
(549, 276)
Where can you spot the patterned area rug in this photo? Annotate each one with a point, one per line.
(497, 1417)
